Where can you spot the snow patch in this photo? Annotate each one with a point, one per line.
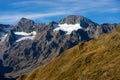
(4, 33)
(2, 39)
(68, 28)
(33, 26)
(24, 36)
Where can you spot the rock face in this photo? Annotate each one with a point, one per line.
(25, 55)
(73, 19)
(24, 25)
(3, 30)
(11, 38)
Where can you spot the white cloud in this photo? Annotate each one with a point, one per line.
(73, 6)
(58, 7)
(112, 10)
(33, 2)
(15, 17)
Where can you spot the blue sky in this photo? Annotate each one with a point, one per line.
(44, 11)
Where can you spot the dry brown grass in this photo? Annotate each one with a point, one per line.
(94, 60)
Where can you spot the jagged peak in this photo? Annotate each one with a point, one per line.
(25, 25)
(74, 16)
(72, 23)
(25, 20)
(74, 19)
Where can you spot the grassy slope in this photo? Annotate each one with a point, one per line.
(94, 60)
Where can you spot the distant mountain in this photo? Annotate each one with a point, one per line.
(28, 45)
(97, 59)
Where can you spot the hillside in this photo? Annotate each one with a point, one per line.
(97, 59)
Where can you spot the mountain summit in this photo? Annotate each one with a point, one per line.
(75, 19)
(73, 23)
(25, 25)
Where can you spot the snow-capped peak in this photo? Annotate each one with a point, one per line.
(68, 28)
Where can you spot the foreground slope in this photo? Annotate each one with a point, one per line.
(94, 60)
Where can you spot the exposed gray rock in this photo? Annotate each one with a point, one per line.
(73, 19)
(11, 38)
(24, 25)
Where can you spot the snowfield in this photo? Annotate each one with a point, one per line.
(68, 28)
(2, 39)
(24, 36)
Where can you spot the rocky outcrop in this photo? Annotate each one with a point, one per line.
(11, 38)
(24, 25)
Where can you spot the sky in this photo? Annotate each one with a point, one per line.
(45, 11)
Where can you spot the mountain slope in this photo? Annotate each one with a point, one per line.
(29, 45)
(97, 59)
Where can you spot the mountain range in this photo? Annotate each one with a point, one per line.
(27, 45)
